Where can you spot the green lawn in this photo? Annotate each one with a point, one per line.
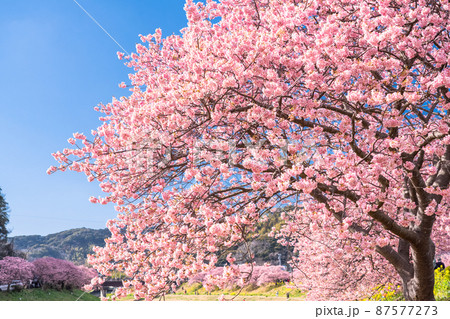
(270, 292)
(46, 295)
(229, 297)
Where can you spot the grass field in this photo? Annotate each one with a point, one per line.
(228, 297)
(46, 295)
(176, 297)
(270, 292)
(54, 295)
(260, 294)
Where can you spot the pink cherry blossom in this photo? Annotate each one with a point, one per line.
(15, 268)
(333, 111)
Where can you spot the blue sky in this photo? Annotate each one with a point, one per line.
(56, 64)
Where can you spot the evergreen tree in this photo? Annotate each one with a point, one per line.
(6, 249)
(4, 209)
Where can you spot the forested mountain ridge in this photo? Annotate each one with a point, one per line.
(76, 244)
(72, 244)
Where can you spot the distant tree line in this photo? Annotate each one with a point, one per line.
(47, 273)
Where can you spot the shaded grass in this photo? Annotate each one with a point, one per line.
(47, 295)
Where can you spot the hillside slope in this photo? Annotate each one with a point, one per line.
(72, 244)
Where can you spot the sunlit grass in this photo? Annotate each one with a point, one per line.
(196, 292)
(38, 294)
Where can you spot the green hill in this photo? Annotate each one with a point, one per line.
(72, 244)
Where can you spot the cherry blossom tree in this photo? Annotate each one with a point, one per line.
(272, 274)
(338, 109)
(61, 274)
(15, 268)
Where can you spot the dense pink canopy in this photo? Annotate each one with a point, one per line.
(58, 273)
(15, 268)
(335, 112)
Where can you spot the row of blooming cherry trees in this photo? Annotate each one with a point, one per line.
(248, 275)
(336, 108)
(50, 272)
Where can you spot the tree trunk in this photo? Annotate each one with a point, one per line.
(412, 291)
(414, 264)
(420, 284)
